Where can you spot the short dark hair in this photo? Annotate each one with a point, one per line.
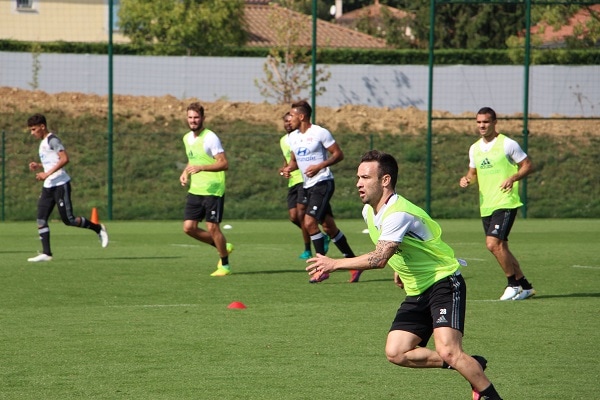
(36, 119)
(487, 110)
(387, 164)
(303, 108)
(196, 107)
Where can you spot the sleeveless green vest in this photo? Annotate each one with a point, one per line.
(419, 263)
(204, 183)
(493, 168)
(296, 175)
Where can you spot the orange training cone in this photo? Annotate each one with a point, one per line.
(94, 217)
(237, 304)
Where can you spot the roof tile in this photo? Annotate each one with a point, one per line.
(258, 16)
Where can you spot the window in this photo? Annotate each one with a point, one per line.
(115, 16)
(24, 4)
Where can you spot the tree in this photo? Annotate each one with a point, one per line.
(467, 26)
(201, 27)
(481, 26)
(394, 30)
(288, 66)
(306, 6)
(585, 35)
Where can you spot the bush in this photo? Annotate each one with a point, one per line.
(337, 56)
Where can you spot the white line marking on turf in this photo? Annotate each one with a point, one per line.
(584, 266)
(168, 305)
(156, 305)
(483, 300)
(183, 245)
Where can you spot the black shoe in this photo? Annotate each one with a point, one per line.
(482, 361)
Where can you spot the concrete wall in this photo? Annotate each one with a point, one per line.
(554, 90)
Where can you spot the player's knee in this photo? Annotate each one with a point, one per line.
(493, 244)
(448, 355)
(213, 228)
(70, 221)
(188, 229)
(293, 215)
(396, 357)
(311, 226)
(41, 223)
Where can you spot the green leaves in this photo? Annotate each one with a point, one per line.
(287, 68)
(202, 27)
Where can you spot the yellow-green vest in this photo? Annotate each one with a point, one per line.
(419, 263)
(493, 168)
(203, 183)
(296, 175)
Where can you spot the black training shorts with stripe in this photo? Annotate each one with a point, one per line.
(209, 208)
(296, 196)
(318, 197)
(499, 223)
(441, 305)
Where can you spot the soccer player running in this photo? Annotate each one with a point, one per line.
(497, 163)
(56, 189)
(409, 241)
(314, 150)
(206, 166)
(296, 200)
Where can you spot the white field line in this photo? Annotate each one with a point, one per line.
(485, 301)
(584, 266)
(155, 305)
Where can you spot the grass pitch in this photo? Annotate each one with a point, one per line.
(142, 319)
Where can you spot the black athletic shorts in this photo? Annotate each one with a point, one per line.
(296, 196)
(199, 207)
(50, 197)
(317, 199)
(442, 305)
(499, 223)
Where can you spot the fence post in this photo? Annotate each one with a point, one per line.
(110, 113)
(430, 107)
(526, 63)
(3, 156)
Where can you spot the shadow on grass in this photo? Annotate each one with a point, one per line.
(363, 279)
(366, 277)
(278, 271)
(560, 296)
(135, 258)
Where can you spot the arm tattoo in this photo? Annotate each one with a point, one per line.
(384, 250)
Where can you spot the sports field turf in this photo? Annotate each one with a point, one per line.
(142, 319)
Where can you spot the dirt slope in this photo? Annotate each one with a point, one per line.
(350, 117)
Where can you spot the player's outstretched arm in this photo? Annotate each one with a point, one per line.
(376, 259)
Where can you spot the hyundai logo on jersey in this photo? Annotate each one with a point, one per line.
(302, 151)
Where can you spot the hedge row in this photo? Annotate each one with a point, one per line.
(335, 56)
